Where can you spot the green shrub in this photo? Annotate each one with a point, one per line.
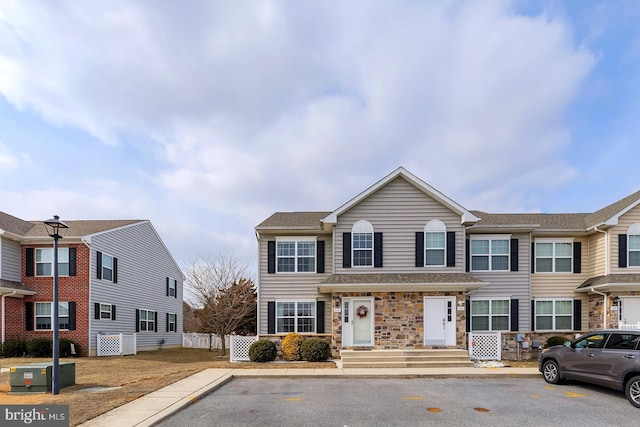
(40, 347)
(291, 346)
(262, 351)
(315, 350)
(556, 340)
(65, 348)
(13, 347)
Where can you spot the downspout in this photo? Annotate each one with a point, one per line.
(258, 289)
(4, 320)
(87, 244)
(604, 306)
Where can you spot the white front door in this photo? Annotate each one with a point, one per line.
(630, 310)
(357, 322)
(439, 321)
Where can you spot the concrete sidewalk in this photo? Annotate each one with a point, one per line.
(160, 404)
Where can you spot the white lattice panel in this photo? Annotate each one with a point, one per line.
(116, 345)
(240, 348)
(485, 346)
(129, 344)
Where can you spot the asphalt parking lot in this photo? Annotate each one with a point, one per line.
(406, 402)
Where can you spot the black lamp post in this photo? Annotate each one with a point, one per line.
(55, 227)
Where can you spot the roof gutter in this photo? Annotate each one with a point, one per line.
(604, 306)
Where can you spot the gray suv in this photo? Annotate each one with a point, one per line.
(610, 358)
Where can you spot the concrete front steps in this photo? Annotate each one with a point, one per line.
(406, 358)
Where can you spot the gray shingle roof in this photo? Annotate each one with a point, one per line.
(545, 221)
(613, 209)
(293, 220)
(14, 225)
(9, 286)
(611, 279)
(336, 279)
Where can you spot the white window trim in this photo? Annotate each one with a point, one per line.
(491, 315)
(295, 322)
(174, 323)
(435, 226)
(35, 255)
(362, 227)
(633, 230)
(490, 237)
(35, 315)
(103, 311)
(553, 315)
(146, 321)
(297, 239)
(173, 286)
(108, 268)
(553, 257)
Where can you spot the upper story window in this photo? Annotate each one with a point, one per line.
(107, 267)
(362, 244)
(296, 255)
(435, 243)
(554, 256)
(490, 253)
(634, 245)
(172, 287)
(44, 261)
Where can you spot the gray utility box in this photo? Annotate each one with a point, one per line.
(36, 377)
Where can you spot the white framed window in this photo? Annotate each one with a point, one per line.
(295, 316)
(633, 245)
(172, 287)
(107, 267)
(435, 233)
(362, 244)
(105, 311)
(147, 320)
(554, 255)
(44, 261)
(296, 255)
(554, 314)
(44, 316)
(490, 315)
(490, 253)
(171, 322)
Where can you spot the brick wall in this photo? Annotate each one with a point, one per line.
(74, 288)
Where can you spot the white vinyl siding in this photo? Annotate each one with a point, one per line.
(10, 260)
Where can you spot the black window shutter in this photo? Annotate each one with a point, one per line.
(467, 255)
(271, 257)
(167, 286)
(577, 257)
(346, 250)
(377, 250)
(115, 270)
(419, 249)
(467, 309)
(137, 320)
(622, 250)
(29, 262)
(167, 323)
(514, 314)
(451, 248)
(155, 329)
(96, 309)
(533, 315)
(320, 317)
(320, 256)
(271, 317)
(28, 309)
(72, 262)
(72, 315)
(113, 312)
(175, 287)
(99, 265)
(514, 257)
(533, 257)
(577, 315)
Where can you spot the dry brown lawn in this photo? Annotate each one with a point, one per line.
(134, 376)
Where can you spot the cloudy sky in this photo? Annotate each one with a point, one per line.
(205, 117)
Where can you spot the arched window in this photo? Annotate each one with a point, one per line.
(362, 244)
(435, 243)
(634, 245)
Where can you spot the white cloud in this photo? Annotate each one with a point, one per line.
(11, 161)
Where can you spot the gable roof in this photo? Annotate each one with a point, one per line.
(609, 214)
(14, 225)
(293, 221)
(465, 215)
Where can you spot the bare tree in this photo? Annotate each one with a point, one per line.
(225, 297)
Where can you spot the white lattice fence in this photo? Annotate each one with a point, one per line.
(116, 345)
(240, 348)
(485, 346)
(193, 340)
(629, 326)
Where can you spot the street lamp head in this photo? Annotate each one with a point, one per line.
(55, 227)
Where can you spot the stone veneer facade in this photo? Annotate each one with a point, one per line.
(399, 319)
